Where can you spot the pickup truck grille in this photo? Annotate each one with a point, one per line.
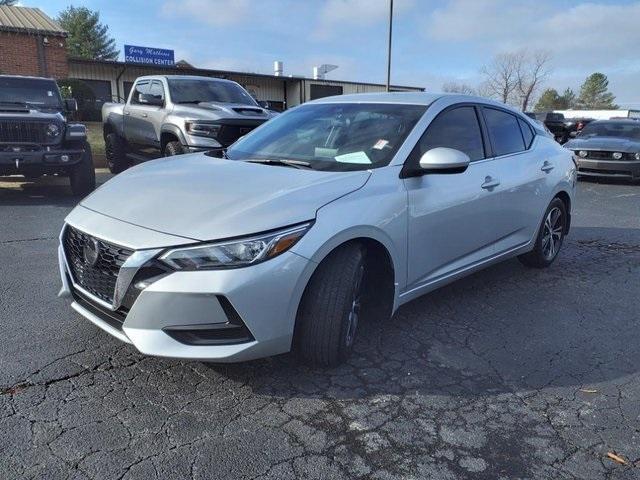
(16, 131)
(230, 133)
(97, 277)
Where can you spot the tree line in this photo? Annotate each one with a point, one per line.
(516, 78)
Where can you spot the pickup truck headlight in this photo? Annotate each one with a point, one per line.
(237, 253)
(202, 129)
(52, 130)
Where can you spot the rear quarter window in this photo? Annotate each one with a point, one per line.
(527, 133)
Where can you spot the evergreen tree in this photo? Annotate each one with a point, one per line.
(88, 38)
(568, 99)
(549, 100)
(595, 94)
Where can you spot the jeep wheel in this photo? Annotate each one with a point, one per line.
(173, 148)
(116, 153)
(82, 175)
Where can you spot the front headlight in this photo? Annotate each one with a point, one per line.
(202, 128)
(617, 155)
(637, 155)
(236, 253)
(53, 130)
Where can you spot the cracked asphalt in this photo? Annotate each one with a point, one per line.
(511, 373)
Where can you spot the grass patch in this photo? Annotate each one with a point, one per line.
(94, 135)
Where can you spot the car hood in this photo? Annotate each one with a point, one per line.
(610, 144)
(206, 198)
(215, 111)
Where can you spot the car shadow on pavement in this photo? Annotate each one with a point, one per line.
(48, 190)
(504, 329)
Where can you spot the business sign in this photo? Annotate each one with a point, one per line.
(148, 55)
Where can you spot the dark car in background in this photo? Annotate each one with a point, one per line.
(608, 148)
(555, 122)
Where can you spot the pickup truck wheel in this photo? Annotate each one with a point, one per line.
(83, 175)
(173, 148)
(331, 307)
(116, 153)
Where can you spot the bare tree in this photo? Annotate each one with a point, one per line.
(458, 87)
(500, 77)
(531, 72)
(515, 77)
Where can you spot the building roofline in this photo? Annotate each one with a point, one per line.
(27, 20)
(184, 70)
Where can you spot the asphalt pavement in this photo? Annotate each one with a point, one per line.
(510, 373)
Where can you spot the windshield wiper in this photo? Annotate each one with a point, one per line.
(284, 162)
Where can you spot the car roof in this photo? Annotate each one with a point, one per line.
(621, 121)
(184, 77)
(410, 98)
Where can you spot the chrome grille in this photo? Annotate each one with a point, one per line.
(602, 155)
(99, 277)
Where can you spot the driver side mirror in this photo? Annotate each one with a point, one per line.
(153, 100)
(70, 105)
(444, 160)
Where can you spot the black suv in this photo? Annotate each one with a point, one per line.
(36, 138)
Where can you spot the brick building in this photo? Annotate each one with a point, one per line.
(31, 43)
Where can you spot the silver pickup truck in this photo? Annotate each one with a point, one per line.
(174, 114)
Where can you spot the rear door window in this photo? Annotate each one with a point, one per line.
(457, 128)
(504, 132)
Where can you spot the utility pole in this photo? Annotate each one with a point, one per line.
(389, 46)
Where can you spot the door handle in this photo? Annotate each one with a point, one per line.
(144, 115)
(547, 167)
(490, 183)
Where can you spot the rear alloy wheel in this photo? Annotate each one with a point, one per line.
(330, 310)
(550, 236)
(173, 148)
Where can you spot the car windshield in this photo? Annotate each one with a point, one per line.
(340, 136)
(190, 90)
(30, 91)
(612, 129)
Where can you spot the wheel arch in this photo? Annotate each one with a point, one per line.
(566, 199)
(169, 133)
(377, 246)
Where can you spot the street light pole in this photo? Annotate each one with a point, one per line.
(389, 46)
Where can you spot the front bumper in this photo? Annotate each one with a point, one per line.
(20, 158)
(629, 169)
(263, 297)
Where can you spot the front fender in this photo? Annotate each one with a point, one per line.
(173, 130)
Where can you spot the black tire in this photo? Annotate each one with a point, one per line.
(173, 148)
(116, 152)
(328, 315)
(82, 175)
(548, 245)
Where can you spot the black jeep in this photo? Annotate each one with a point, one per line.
(35, 137)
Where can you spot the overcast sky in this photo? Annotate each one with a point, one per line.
(434, 41)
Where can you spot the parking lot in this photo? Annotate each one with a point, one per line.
(510, 373)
